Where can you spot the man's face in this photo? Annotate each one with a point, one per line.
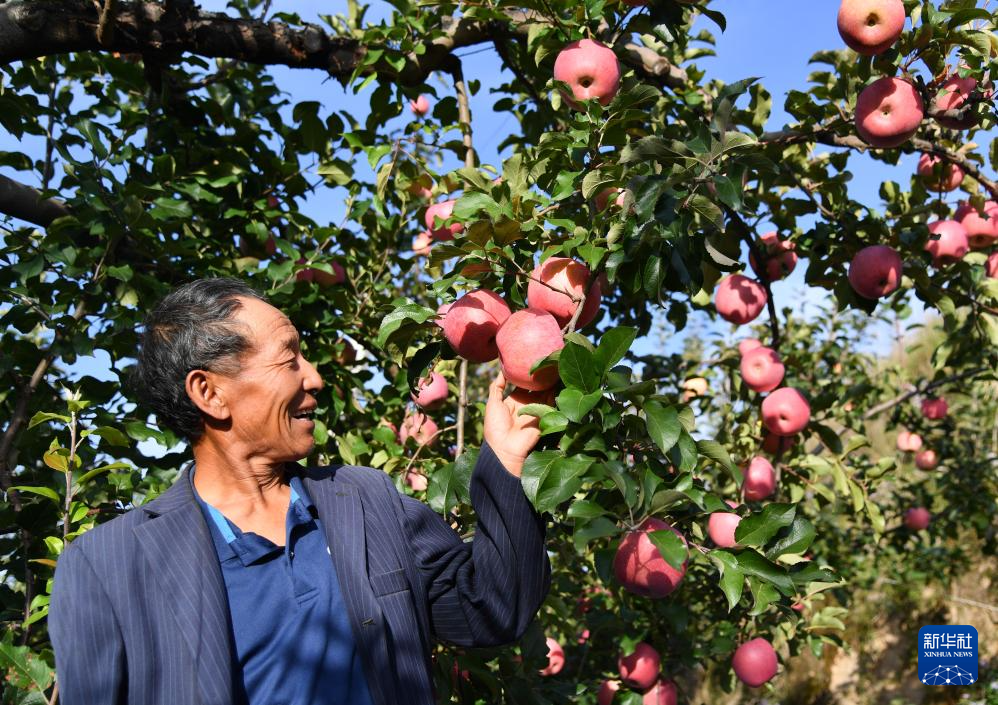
(274, 387)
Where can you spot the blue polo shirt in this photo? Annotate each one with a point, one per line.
(290, 630)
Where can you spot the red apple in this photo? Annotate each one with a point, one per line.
(555, 282)
(420, 427)
(590, 69)
(870, 27)
(323, 278)
(721, 527)
(748, 344)
(431, 392)
(664, 692)
(982, 231)
(909, 442)
(420, 106)
(694, 387)
(416, 481)
(991, 266)
(639, 669)
(437, 213)
(888, 112)
(760, 480)
(755, 662)
(442, 310)
(917, 518)
(472, 323)
(875, 271)
(939, 175)
(606, 692)
(739, 299)
(527, 337)
(927, 459)
(639, 566)
(583, 637)
(773, 444)
(934, 408)
(421, 243)
(951, 245)
(762, 369)
(556, 658)
(785, 412)
(603, 197)
(952, 96)
(778, 257)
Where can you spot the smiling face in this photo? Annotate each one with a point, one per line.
(259, 413)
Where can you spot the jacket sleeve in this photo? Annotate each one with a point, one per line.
(484, 592)
(89, 652)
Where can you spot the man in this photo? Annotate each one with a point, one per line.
(254, 580)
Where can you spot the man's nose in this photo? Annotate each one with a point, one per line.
(313, 382)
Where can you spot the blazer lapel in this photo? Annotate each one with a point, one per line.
(182, 557)
(342, 514)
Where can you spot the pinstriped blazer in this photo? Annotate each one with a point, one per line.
(139, 613)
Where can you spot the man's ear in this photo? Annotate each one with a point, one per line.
(204, 390)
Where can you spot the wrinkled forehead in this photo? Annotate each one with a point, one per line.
(269, 330)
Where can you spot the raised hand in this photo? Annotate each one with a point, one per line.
(512, 437)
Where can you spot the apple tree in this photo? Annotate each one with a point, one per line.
(712, 514)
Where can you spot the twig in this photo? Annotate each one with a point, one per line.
(462, 403)
(748, 235)
(425, 443)
(915, 390)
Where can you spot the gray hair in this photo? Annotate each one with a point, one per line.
(192, 328)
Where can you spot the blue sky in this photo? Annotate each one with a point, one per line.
(772, 39)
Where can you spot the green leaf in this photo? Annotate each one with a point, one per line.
(92, 132)
(598, 528)
(549, 478)
(672, 547)
(719, 454)
(113, 436)
(732, 577)
(663, 424)
(708, 210)
(102, 469)
(613, 346)
(538, 410)
(170, 209)
(43, 416)
(57, 459)
(764, 595)
(471, 205)
(394, 320)
(23, 669)
(585, 509)
(43, 491)
(797, 540)
(753, 563)
(575, 405)
(684, 454)
(441, 492)
(577, 368)
(757, 529)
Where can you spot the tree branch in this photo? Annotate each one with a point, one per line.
(26, 203)
(915, 390)
(31, 29)
(826, 135)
